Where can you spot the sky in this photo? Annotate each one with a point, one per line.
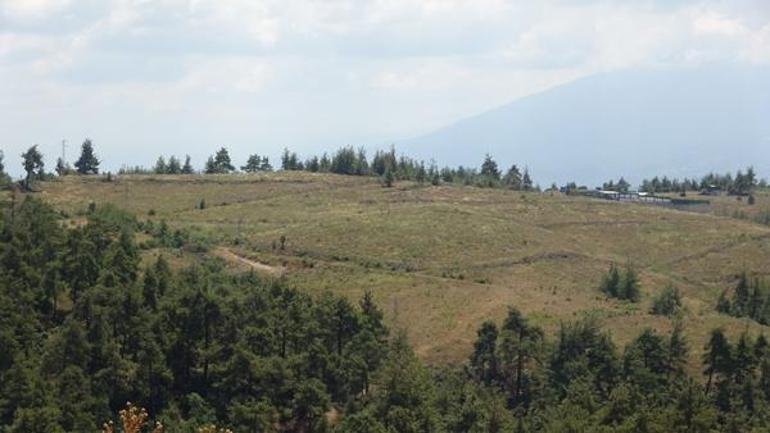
(143, 78)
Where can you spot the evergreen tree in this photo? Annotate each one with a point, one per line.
(33, 165)
(211, 167)
(222, 163)
(677, 350)
(526, 181)
(717, 358)
(253, 164)
(173, 166)
(668, 302)
(611, 282)
(265, 165)
(187, 168)
(484, 357)
(87, 163)
(160, 166)
(629, 285)
(520, 347)
(489, 168)
(512, 178)
(387, 178)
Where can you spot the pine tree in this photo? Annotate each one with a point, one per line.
(717, 358)
(33, 165)
(629, 285)
(677, 350)
(87, 163)
(526, 181)
(512, 178)
(611, 282)
(62, 168)
(484, 356)
(265, 165)
(211, 167)
(187, 168)
(160, 166)
(520, 346)
(222, 161)
(387, 178)
(173, 166)
(253, 164)
(668, 302)
(489, 168)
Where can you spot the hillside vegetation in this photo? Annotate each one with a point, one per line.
(442, 259)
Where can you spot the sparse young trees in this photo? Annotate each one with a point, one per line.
(87, 163)
(668, 302)
(512, 178)
(621, 284)
(290, 161)
(219, 163)
(256, 163)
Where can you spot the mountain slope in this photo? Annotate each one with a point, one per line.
(682, 123)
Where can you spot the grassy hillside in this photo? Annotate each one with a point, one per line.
(441, 260)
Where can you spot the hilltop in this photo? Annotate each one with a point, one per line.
(442, 259)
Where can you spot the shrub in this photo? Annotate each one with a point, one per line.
(668, 302)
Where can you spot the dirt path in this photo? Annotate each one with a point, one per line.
(232, 257)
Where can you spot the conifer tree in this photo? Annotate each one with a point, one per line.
(677, 350)
(160, 166)
(173, 166)
(87, 163)
(611, 282)
(489, 168)
(33, 165)
(484, 356)
(187, 168)
(253, 164)
(717, 358)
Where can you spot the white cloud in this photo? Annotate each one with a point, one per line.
(717, 24)
(31, 9)
(345, 69)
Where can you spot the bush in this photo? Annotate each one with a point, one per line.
(621, 284)
(668, 302)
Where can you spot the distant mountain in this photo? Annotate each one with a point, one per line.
(636, 124)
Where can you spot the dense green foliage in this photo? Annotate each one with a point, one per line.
(85, 328)
(32, 160)
(749, 298)
(739, 184)
(87, 163)
(668, 302)
(621, 284)
(257, 163)
(219, 163)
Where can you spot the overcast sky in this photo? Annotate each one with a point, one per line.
(143, 78)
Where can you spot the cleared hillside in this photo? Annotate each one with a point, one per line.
(441, 260)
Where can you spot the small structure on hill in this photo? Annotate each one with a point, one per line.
(711, 190)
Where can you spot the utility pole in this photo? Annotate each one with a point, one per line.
(64, 150)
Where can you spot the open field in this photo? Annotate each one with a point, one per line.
(443, 259)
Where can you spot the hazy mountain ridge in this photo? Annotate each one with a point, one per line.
(636, 123)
